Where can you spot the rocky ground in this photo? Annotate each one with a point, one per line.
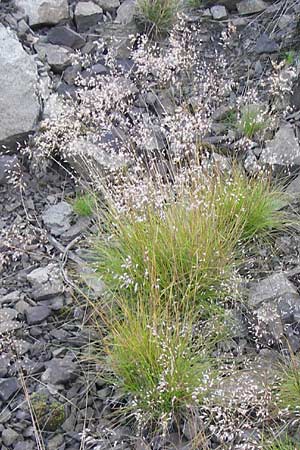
(45, 324)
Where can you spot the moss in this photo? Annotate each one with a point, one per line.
(49, 414)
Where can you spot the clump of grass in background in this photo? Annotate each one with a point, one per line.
(253, 120)
(158, 16)
(84, 205)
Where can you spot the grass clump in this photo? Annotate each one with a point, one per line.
(282, 444)
(289, 387)
(160, 365)
(253, 120)
(158, 16)
(84, 205)
(187, 248)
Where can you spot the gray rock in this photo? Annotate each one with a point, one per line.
(265, 44)
(70, 423)
(37, 314)
(46, 282)
(294, 187)
(269, 327)
(26, 445)
(87, 14)
(65, 36)
(57, 218)
(59, 371)
(8, 387)
(4, 365)
(218, 12)
(8, 165)
(57, 57)
(44, 12)
(56, 442)
(270, 289)
(19, 100)
(126, 12)
(9, 436)
(7, 314)
(283, 151)
(108, 5)
(7, 322)
(251, 6)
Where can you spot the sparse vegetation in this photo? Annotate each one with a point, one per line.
(158, 16)
(253, 120)
(84, 205)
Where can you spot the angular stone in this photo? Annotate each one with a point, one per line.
(37, 314)
(126, 12)
(251, 6)
(19, 100)
(8, 387)
(59, 371)
(271, 288)
(87, 14)
(44, 12)
(265, 44)
(26, 445)
(57, 218)
(218, 12)
(65, 36)
(57, 57)
(108, 5)
(46, 282)
(9, 436)
(283, 150)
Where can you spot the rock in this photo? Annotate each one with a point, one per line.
(44, 12)
(269, 327)
(26, 445)
(59, 371)
(7, 322)
(294, 187)
(117, 37)
(87, 15)
(126, 12)
(283, 151)
(218, 12)
(9, 436)
(7, 314)
(56, 442)
(251, 6)
(57, 218)
(265, 44)
(108, 5)
(8, 387)
(65, 36)
(19, 100)
(37, 314)
(57, 57)
(46, 282)
(270, 289)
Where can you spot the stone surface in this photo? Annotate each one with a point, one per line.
(108, 5)
(126, 12)
(9, 436)
(65, 36)
(57, 57)
(37, 314)
(265, 44)
(218, 12)
(57, 218)
(269, 289)
(46, 282)
(44, 12)
(283, 150)
(19, 100)
(251, 6)
(87, 15)
(59, 371)
(8, 387)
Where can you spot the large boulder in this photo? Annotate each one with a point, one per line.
(19, 100)
(44, 12)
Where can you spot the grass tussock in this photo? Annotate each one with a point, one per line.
(163, 366)
(289, 387)
(158, 16)
(84, 205)
(188, 248)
